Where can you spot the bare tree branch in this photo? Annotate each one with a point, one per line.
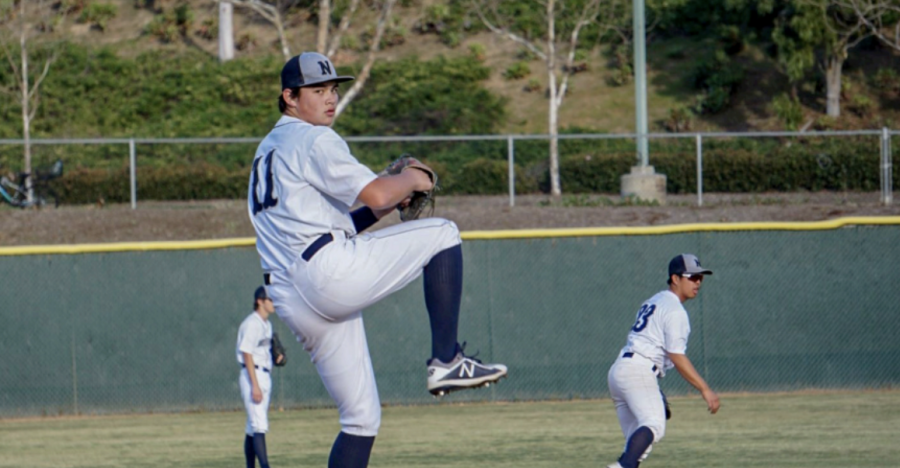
(557, 86)
(272, 14)
(505, 32)
(342, 28)
(872, 13)
(324, 25)
(374, 47)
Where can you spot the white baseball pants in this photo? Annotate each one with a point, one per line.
(321, 302)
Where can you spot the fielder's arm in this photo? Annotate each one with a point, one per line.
(690, 374)
(385, 193)
(255, 392)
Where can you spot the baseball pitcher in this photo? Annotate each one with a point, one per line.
(321, 270)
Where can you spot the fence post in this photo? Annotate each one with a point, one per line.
(699, 170)
(887, 182)
(511, 159)
(132, 162)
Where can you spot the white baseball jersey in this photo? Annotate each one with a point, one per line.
(303, 185)
(255, 339)
(317, 182)
(661, 326)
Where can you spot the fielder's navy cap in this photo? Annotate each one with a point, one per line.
(260, 293)
(687, 264)
(307, 69)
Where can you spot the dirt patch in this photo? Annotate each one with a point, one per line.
(170, 221)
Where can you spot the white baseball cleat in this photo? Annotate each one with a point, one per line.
(614, 465)
(461, 373)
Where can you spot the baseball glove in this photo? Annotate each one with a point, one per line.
(418, 200)
(277, 350)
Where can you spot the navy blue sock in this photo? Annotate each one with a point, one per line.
(259, 446)
(249, 453)
(637, 444)
(443, 279)
(350, 451)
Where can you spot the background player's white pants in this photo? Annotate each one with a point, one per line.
(257, 413)
(321, 301)
(635, 392)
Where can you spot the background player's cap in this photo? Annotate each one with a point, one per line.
(307, 69)
(687, 264)
(260, 293)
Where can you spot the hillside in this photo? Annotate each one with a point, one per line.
(592, 102)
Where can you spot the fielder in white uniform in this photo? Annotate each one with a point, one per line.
(254, 344)
(656, 343)
(322, 271)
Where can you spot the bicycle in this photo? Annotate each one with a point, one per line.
(16, 193)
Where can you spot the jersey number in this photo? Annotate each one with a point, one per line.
(643, 317)
(268, 200)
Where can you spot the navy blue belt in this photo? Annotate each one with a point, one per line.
(244, 366)
(630, 354)
(307, 254)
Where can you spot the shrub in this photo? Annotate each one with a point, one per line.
(477, 51)
(246, 41)
(861, 105)
(209, 29)
(623, 65)
(517, 71)
(679, 119)
(98, 14)
(788, 110)
(172, 24)
(70, 6)
(533, 85)
(489, 177)
(886, 81)
(718, 78)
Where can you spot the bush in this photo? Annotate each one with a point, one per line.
(886, 81)
(478, 52)
(788, 110)
(517, 71)
(861, 105)
(209, 29)
(98, 14)
(718, 77)
(679, 119)
(172, 24)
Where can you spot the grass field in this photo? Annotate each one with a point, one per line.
(810, 429)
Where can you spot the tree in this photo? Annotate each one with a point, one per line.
(22, 21)
(327, 40)
(372, 54)
(878, 16)
(271, 11)
(819, 33)
(551, 32)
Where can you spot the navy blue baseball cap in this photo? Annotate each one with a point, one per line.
(307, 69)
(260, 293)
(687, 264)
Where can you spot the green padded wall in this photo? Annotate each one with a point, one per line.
(155, 330)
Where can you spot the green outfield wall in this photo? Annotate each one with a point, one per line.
(152, 326)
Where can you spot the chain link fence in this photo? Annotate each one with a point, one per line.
(129, 160)
(804, 306)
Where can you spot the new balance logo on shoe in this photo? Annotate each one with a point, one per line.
(461, 373)
(467, 368)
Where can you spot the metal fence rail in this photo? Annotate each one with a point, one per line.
(884, 137)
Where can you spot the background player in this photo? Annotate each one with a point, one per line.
(657, 342)
(321, 272)
(254, 344)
